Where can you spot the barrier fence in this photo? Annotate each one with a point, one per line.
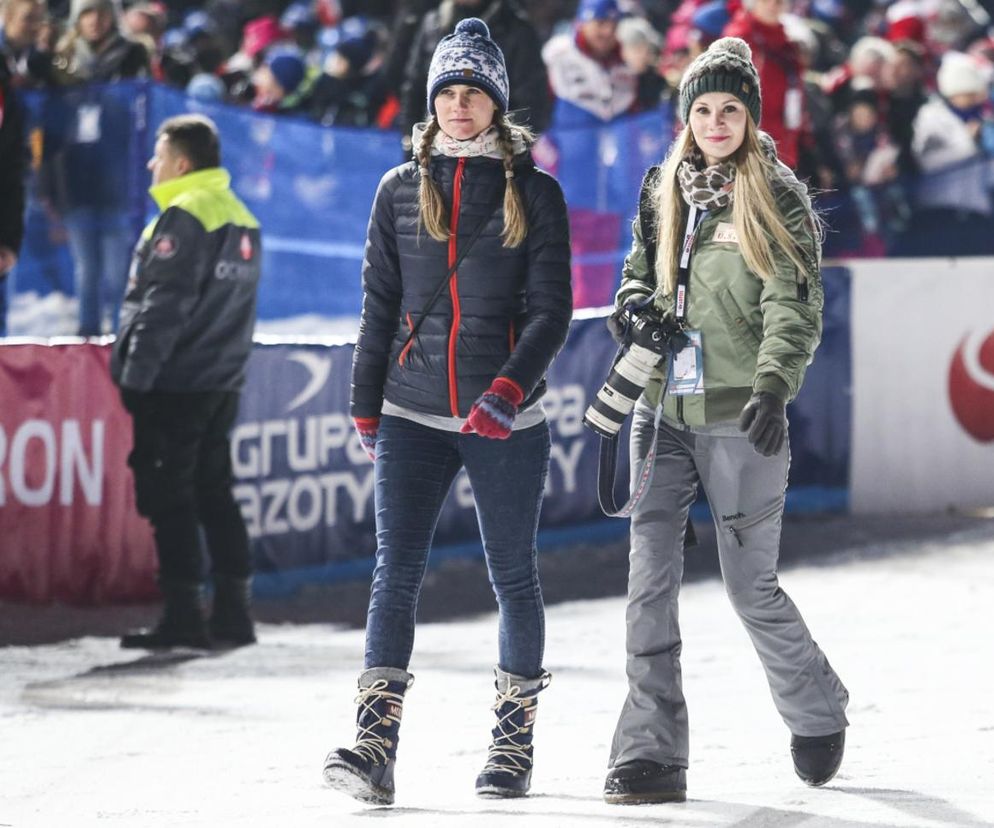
(312, 188)
(69, 529)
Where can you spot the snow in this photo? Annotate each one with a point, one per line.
(54, 314)
(90, 737)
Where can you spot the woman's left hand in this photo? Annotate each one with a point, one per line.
(765, 417)
(492, 415)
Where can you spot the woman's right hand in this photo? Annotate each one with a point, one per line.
(367, 428)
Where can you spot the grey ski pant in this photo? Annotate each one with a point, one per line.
(746, 493)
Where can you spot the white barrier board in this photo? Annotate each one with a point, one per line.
(923, 385)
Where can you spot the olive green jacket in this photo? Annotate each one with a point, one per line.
(755, 335)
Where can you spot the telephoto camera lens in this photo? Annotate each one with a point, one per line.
(629, 376)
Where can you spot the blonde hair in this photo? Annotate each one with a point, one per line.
(758, 220)
(434, 215)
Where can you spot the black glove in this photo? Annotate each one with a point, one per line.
(619, 322)
(765, 417)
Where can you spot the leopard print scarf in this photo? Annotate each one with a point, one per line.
(711, 188)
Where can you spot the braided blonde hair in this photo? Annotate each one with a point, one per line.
(432, 210)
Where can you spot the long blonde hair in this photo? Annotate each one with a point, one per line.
(433, 212)
(758, 221)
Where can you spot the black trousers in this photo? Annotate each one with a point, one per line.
(182, 467)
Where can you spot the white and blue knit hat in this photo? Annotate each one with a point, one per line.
(470, 57)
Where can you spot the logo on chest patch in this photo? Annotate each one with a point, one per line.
(164, 246)
(725, 232)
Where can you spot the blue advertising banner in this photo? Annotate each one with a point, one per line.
(305, 484)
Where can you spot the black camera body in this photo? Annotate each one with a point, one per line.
(647, 338)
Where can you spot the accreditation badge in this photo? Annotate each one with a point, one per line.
(686, 368)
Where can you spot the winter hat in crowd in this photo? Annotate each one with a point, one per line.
(288, 68)
(79, 6)
(711, 19)
(199, 23)
(206, 88)
(299, 16)
(354, 39)
(725, 67)
(261, 33)
(598, 10)
(637, 31)
(470, 57)
(960, 74)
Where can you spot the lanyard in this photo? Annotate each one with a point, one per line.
(683, 277)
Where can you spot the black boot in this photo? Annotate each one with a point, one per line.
(508, 772)
(231, 624)
(817, 758)
(366, 771)
(641, 782)
(182, 623)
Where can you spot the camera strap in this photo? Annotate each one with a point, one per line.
(608, 457)
(607, 463)
(441, 285)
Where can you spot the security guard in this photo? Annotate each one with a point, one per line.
(179, 360)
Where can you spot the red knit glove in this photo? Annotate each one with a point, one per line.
(493, 414)
(367, 429)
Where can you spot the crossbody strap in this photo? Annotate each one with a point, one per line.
(441, 285)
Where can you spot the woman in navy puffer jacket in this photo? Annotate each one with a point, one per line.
(447, 374)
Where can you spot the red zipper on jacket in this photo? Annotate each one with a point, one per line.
(453, 288)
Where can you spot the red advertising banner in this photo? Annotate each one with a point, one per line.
(69, 530)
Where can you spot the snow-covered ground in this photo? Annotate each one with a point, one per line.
(90, 736)
(56, 314)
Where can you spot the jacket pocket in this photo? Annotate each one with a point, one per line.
(737, 321)
(737, 527)
(406, 349)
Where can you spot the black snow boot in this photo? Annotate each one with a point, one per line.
(817, 758)
(182, 623)
(231, 624)
(366, 771)
(641, 782)
(508, 772)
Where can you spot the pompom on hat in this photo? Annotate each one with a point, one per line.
(726, 66)
(468, 56)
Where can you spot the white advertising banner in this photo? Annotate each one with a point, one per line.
(923, 385)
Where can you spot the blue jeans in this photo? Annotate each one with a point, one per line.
(101, 240)
(415, 467)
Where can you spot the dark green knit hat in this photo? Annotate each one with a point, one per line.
(725, 67)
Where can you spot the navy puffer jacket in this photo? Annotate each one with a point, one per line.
(506, 312)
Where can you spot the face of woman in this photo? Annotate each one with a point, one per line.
(463, 112)
(718, 124)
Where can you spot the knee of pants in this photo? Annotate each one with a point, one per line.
(398, 574)
(159, 494)
(216, 501)
(756, 594)
(519, 583)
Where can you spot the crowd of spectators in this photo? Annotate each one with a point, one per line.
(861, 97)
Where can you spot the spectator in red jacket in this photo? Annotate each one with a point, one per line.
(779, 64)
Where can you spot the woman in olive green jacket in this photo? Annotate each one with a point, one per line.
(737, 267)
